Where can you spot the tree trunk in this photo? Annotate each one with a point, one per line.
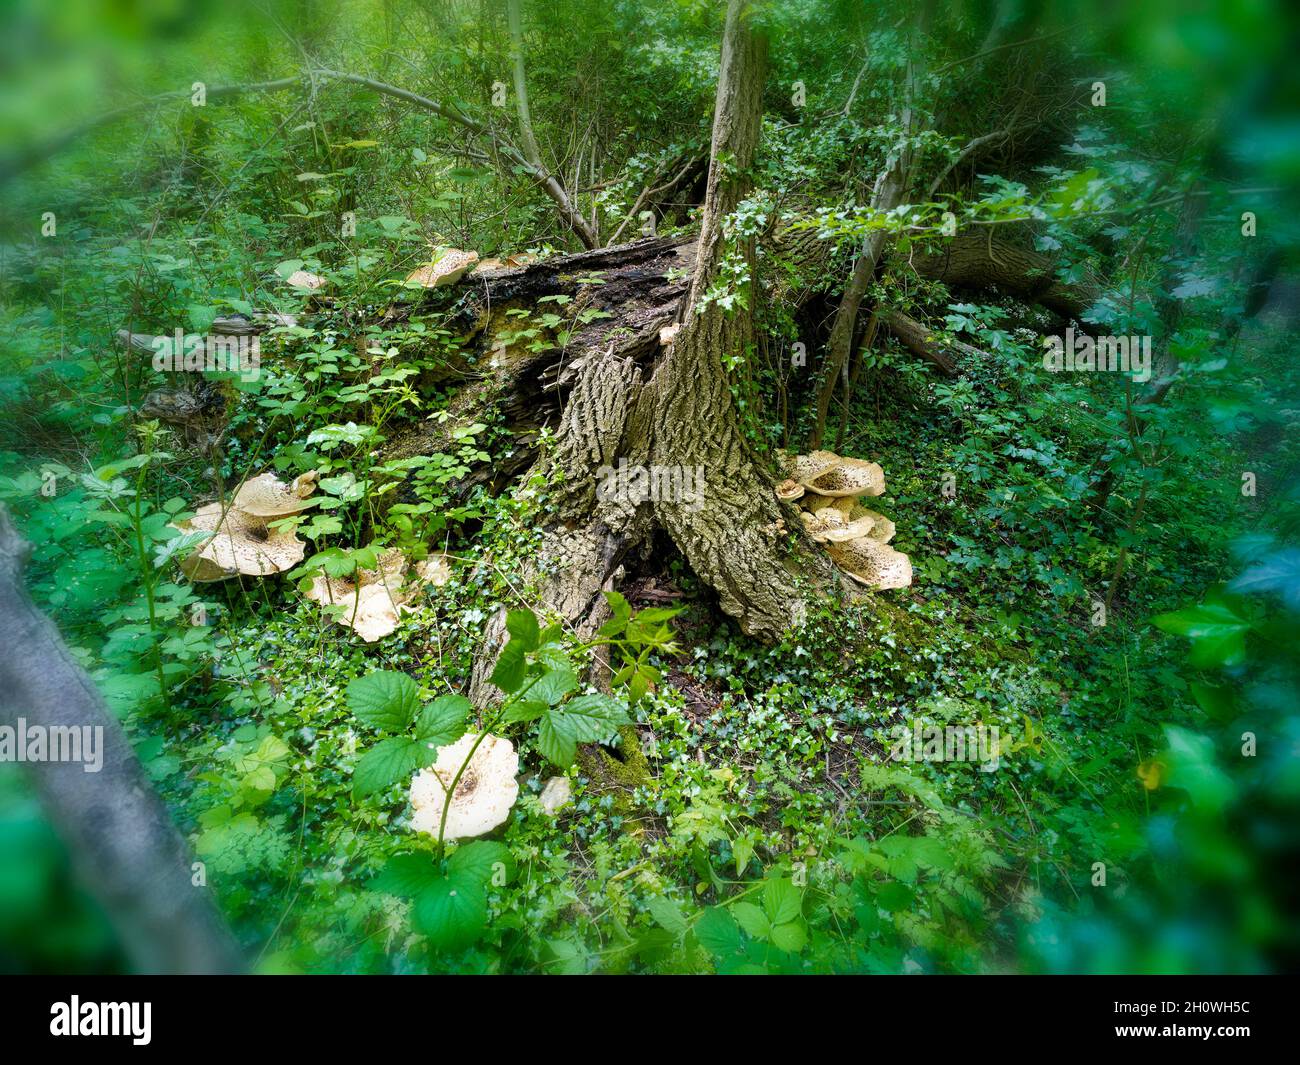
(123, 843)
(668, 412)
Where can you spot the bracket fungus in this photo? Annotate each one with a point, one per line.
(856, 538)
(484, 796)
(371, 604)
(447, 266)
(242, 540)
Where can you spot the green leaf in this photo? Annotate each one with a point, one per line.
(522, 626)
(667, 915)
(790, 937)
(528, 710)
(451, 911)
(442, 721)
(508, 674)
(557, 746)
(553, 686)
(781, 900)
(717, 932)
(389, 761)
(481, 860)
(1218, 634)
(384, 700)
(752, 919)
(405, 875)
(1193, 768)
(591, 718)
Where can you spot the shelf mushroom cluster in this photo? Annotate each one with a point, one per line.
(242, 539)
(829, 488)
(370, 602)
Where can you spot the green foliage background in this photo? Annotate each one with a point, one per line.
(752, 820)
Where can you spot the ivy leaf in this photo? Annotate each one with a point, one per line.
(451, 911)
(384, 700)
(387, 762)
(442, 721)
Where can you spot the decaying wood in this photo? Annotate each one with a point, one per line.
(121, 838)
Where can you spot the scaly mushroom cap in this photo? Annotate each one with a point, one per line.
(789, 489)
(302, 279)
(243, 543)
(806, 468)
(435, 570)
(487, 266)
(556, 793)
(447, 267)
(849, 477)
(484, 796)
(269, 497)
(872, 563)
(871, 522)
(371, 604)
(833, 525)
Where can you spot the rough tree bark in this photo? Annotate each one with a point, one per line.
(123, 844)
(670, 408)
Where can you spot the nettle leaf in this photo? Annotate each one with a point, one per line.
(452, 911)
(781, 900)
(557, 746)
(586, 719)
(790, 937)
(667, 915)
(528, 710)
(389, 761)
(753, 920)
(508, 674)
(482, 860)
(384, 700)
(717, 932)
(553, 686)
(622, 611)
(522, 626)
(443, 721)
(405, 875)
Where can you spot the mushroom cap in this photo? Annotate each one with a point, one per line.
(435, 570)
(370, 604)
(267, 496)
(446, 268)
(369, 610)
(556, 793)
(789, 489)
(833, 525)
(484, 796)
(806, 468)
(243, 543)
(849, 477)
(304, 279)
(870, 562)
